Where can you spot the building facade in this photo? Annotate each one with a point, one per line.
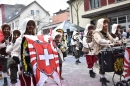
(60, 16)
(118, 11)
(34, 11)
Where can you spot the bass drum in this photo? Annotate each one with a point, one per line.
(107, 61)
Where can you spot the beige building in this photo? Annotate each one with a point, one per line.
(118, 11)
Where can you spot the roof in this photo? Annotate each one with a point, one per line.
(51, 26)
(62, 11)
(24, 8)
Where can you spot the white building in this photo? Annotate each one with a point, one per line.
(118, 11)
(33, 10)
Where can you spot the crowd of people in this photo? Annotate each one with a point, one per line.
(91, 43)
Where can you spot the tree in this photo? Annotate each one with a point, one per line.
(40, 21)
(76, 5)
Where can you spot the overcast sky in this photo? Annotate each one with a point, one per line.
(50, 5)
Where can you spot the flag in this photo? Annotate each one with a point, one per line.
(44, 59)
(1, 36)
(127, 64)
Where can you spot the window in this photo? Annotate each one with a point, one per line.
(119, 0)
(32, 12)
(94, 4)
(16, 23)
(114, 20)
(123, 27)
(128, 18)
(37, 12)
(12, 25)
(122, 19)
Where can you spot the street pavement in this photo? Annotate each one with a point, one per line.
(76, 75)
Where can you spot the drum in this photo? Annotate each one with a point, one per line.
(112, 59)
(118, 60)
(107, 60)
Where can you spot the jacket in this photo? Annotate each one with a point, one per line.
(100, 42)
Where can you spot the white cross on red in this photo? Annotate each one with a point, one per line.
(46, 57)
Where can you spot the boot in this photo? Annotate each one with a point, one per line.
(104, 82)
(13, 81)
(92, 74)
(0, 76)
(61, 78)
(5, 82)
(78, 61)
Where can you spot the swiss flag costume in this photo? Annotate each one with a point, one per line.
(44, 59)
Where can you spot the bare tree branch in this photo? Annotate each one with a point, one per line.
(73, 6)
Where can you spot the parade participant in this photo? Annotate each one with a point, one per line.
(63, 43)
(57, 37)
(3, 55)
(102, 39)
(61, 48)
(75, 41)
(28, 28)
(13, 67)
(88, 43)
(43, 57)
(116, 32)
(1, 39)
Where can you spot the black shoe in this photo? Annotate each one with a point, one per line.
(5, 82)
(104, 83)
(92, 74)
(13, 81)
(78, 61)
(101, 79)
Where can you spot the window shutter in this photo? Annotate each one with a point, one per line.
(103, 2)
(86, 5)
(111, 1)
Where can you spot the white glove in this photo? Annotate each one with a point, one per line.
(77, 48)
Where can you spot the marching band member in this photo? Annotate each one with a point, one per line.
(12, 65)
(88, 43)
(57, 37)
(6, 29)
(75, 41)
(116, 32)
(63, 43)
(102, 39)
(28, 28)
